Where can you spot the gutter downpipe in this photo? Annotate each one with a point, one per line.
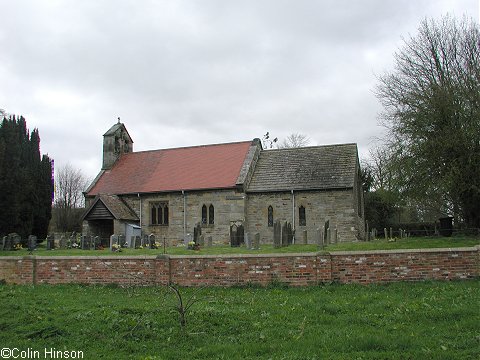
(141, 228)
(184, 216)
(293, 216)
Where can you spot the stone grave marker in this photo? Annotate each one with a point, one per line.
(151, 241)
(201, 240)
(32, 242)
(85, 242)
(121, 240)
(137, 242)
(277, 234)
(209, 241)
(256, 241)
(114, 240)
(50, 242)
(305, 237)
(248, 244)
(63, 242)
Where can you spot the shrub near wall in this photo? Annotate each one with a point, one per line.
(211, 270)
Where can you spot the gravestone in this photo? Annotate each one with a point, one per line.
(72, 240)
(248, 244)
(114, 240)
(50, 242)
(284, 234)
(85, 242)
(256, 241)
(290, 234)
(151, 241)
(305, 237)
(137, 242)
(96, 242)
(319, 238)
(63, 242)
(277, 234)
(188, 238)
(209, 241)
(236, 235)
(197, 231)
(326, 233)
(122, 241)
(201, 240)
(4, 241)
(32, 242)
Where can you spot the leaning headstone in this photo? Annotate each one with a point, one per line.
(305, 237)
(151, 241)
(248, 245)
(209, 241)
(256, 241)
(50, 242)
(63, 242)
(277, 234)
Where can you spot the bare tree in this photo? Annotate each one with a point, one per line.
(294, 140)
(69, 186)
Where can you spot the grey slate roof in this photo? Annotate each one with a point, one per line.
(308, 168)
(115, 206)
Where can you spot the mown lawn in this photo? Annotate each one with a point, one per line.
(431, 320)
(406, 243)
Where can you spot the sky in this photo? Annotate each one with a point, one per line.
(192, 72)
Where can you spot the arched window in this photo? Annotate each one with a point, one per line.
(204, 215)
(165, 215)
(211, 215)
(153, 215)
(302, 220)
(159, 213)
(270, 215)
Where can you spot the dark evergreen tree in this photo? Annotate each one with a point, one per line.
(25, 181)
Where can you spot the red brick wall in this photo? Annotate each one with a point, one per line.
(293, 269)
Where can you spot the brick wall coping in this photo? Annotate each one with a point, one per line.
(405, 251)
(229, 256)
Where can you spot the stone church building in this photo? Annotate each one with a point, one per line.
(167, 192)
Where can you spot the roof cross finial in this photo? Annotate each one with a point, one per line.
(119, 120)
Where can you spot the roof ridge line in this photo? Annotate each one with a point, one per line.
(190, 147)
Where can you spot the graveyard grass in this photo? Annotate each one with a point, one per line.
(379, 244)
(424, 320)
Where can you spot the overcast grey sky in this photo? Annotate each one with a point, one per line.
(190, 72)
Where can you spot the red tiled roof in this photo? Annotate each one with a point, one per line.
(190, 168)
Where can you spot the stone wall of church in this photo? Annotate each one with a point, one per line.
(229, 207)
(336, 206)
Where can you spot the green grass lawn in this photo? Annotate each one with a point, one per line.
(431, 320)
(407, 243)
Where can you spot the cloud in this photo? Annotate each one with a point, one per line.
(183, 72)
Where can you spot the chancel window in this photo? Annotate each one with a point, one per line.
(270, 215)
(208, 215)
(159, 213)
(302, 220)
(211, 215)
